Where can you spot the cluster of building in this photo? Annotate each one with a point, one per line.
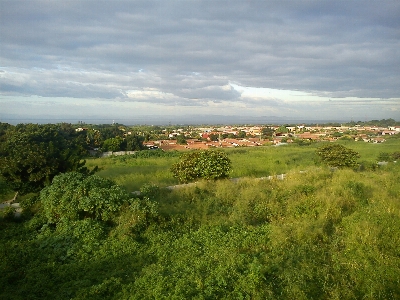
(250, 136)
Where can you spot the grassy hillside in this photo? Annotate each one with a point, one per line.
(132, 172)
(317, 234)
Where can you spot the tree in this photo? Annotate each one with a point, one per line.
(337, 134)
(33, 154)
(267, 132)
(241, 134)
(180, 140)
(214, 137)
(3, 129)
(113, 144)
(282, 129)
(73, 196)
(336, 155)
(93, 138)
(206, 164)
(134, 142)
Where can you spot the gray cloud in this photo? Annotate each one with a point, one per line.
(187, 52)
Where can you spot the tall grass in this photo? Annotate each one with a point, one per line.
(370, 151)
(132, 172)
(331, 233)
(318, 234)
(265, 161)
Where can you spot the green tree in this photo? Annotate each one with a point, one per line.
(282, 129)
(214, 137)
(337, 134)
(241, 134)
(75, 196)
(134, 142)
(336, 155)
(267, 132)
(206, 164)
(93, 138)
(3, 129)
(32, 155)
(180, 139)
(113, 144)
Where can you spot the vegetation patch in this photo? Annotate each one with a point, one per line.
(313, 234)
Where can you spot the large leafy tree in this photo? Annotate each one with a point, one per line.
(113, 144)
(206, 164)
(181, 140)
(3, 129)
(31, 154)
(336, 155)
(134, 142)
(93, 138)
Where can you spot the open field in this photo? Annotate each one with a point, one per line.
(319, 234)
(132, 172)
(316, 234)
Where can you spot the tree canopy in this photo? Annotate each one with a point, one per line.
(74, 196)
(336, 155)
(31, 154)
(206, 164)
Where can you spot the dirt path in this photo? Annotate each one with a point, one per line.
(13, 204)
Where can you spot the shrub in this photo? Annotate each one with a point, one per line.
(396, 155)
(206, 164)
(336, 155)
(150, 191)
(73, 196)
(384, 156)
(8, 213)
(180, 140)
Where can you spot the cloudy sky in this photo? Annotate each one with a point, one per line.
(174, 61)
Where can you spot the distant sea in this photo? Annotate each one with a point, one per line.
(168, 120)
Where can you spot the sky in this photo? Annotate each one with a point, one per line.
(196, 61)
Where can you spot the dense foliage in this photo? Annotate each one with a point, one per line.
(31, 155)
(181, 140)
(318, 234)
(128, 143)
(315, 234)
(112, 144)
(74, 196)
(386, 156)
(336, 155)
(206, 164)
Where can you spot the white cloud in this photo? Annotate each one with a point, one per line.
(248, 57)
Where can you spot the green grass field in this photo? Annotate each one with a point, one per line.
(132, 172)
(317, 234)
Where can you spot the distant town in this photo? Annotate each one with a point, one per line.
(228, 136)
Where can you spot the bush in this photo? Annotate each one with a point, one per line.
(73, 196)
(336, 155)
(8, 213)
(150, 191)
(206, 164)
(384, 156)
(180, 140)
(396, 155)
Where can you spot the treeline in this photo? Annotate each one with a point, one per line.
(32, 154)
